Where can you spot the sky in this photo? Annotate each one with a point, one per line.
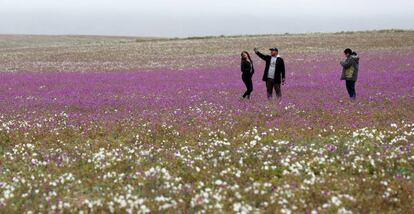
(182, 18)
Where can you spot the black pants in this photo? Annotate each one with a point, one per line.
(249, 85)
(272, 84)
(350, 87)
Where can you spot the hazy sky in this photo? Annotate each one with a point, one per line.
(200, 17)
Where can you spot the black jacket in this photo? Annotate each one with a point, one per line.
(247, 68)
(280, 67)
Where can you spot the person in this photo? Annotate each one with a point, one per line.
(350, 68)
(247, 70)
(274, 73)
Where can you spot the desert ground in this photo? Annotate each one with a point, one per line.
(94, 124)
(97, 53)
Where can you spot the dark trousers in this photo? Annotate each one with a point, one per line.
(270, 85)
(249, 86)
(350, 87)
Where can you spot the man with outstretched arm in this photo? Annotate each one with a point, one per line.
(274, 73)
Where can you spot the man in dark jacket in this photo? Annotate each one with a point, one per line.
(274, 73)
(350, 68)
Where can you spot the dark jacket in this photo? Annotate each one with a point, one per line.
(280, 67)
(247, 68)
(352, 62)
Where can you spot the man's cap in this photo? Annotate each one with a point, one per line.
(274, 49)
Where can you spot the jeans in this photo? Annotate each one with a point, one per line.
(249, 86)
(350, 87)
(270, 85)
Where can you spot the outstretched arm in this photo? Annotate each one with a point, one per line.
(262, 56)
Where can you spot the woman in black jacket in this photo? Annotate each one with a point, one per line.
(247, 70)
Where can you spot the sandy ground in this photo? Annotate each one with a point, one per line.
(98, 53)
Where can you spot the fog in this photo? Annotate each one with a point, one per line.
(180, 18)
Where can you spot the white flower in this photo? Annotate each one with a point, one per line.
(253, 143)
(218, 182)
(335, 200)
(342, 210)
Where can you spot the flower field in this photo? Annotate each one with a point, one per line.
(161, 140)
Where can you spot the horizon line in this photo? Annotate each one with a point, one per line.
(207, 36)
